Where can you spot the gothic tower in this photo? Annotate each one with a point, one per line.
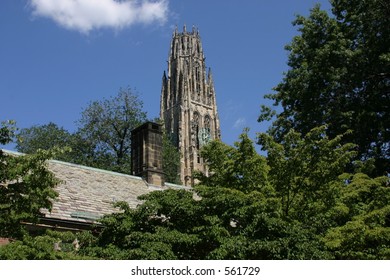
(188, 103)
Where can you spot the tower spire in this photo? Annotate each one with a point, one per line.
(188, 104)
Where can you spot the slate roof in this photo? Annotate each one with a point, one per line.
(86, 194)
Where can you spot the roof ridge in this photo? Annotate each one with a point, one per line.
(85, 167)
(77, 165)
(104, 171)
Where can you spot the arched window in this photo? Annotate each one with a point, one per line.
(195, 129)
(207, 122)
(206, 131)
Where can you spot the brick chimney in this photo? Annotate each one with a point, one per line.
(146, 153)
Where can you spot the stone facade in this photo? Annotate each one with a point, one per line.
(146, 153)
(188, 102)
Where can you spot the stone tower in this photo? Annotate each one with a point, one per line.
(188, 102)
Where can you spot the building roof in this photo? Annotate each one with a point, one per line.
(86, 194)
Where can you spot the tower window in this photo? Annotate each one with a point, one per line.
(195, 129)
(207, 123)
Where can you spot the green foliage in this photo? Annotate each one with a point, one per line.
(42, 137)
(339, 76)
(296, 204)
(238, 167)
(107, 125)
(26, 186)
(305, 171)
(102, 139)
(217, 154)
(158, 229)
(366, 234)
(244, 225)
(357, 240)
(50, 136)
(7, 132)
(49, 246)
(241, 221)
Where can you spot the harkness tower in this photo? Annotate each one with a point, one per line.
(188, 102)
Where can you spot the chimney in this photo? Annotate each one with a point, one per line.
(146, 153)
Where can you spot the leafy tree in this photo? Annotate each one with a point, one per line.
(238, 167)
(107, 125)
(52, 245)
(50, 136)
(366, 232)
(345, 216)
(305, 171)
(7, 132)
(82, 151)
(217, 222)
(157, 229)
(88, 145)
(298, 204)
(42, 137)
(339, 76)
(102, 139)
(26, 186)
(251, 226)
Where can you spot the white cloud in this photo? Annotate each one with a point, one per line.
(239, 123)
(86, 15)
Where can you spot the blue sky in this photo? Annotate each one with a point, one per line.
(56, 56)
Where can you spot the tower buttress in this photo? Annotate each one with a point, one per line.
(188, 102)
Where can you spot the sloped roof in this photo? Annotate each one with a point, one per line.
(86, 194)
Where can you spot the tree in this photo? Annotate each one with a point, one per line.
(243, 220)
(51, 136)
(43, 137)
(346, 216)
(160, 228)
(26, 186)
(305, 171)
(103, 138)
(52, 245)
(296, 204)
(339, 76)
(365, 234)
(238, 167)
(7, 132)
(107, 125)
